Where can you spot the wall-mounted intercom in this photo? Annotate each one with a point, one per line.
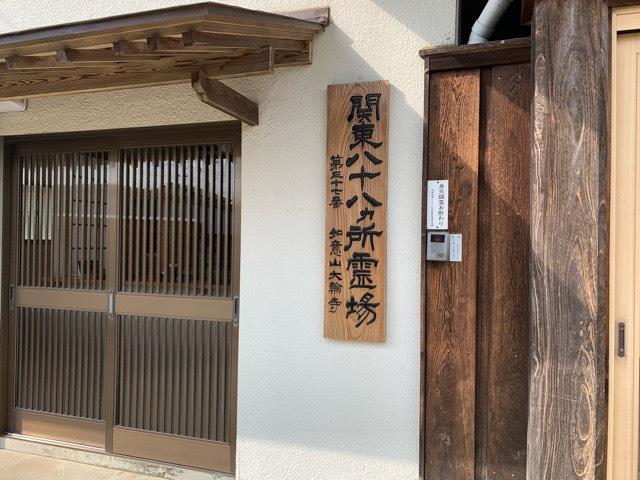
(438, 246)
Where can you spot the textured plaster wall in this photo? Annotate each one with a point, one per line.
(308, 408)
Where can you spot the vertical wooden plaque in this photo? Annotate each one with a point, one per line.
(356, 203)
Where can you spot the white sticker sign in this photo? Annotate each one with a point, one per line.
(437, 204)
(455, 247)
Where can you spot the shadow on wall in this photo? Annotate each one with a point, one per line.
(351, 398)
(415, 23)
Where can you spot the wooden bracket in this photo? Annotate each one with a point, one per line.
(218, 95)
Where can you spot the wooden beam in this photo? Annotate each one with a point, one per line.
(567, 434)
(96, 57)
(141, 50)
(124, 47)
(199, 43)
(194, 40)
(218, 95)
(31, 63)
(175, 46)
(170, 21)
(165, 44)
(72, 80)
(501, 52)
(284, 58)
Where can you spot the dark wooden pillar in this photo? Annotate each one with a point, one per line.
(569, 217)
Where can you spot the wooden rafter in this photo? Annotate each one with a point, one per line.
(194, 40)
(169, 21)
(156, 43)
(80, 80)
(31, 62)
(125, 47)
(215, 93)
(153, 48)
(96, 57)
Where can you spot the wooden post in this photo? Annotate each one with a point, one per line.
(569, 225)
(5, 187)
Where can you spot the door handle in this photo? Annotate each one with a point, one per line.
(112, 304)
(621, 339)
(12, 297)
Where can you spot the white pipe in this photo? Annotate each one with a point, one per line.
(487, 21)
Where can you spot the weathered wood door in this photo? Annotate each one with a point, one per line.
(124, 274)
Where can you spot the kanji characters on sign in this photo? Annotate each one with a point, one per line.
(356, 211)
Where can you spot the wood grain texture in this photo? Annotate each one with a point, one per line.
(567, 410)
(503, 273)
(147, 50)
(206, 41)
(216, 94)
(489, 54)
(454, 117)
(212, 17)
(356, 223)
(160, 72)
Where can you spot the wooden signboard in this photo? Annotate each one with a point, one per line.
(356, 203)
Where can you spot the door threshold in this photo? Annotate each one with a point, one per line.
(99, 458)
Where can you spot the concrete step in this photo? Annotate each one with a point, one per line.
(105, 466)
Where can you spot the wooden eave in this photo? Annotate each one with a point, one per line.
(454, 57)
(156, 47)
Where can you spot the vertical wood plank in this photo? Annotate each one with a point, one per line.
(58, 219)
(181, 223)
(451, 300)
(203, 215)
(101, 222)
(569, 211)
(76, 262)
(131, 186)
(218, 229)
(188, 219)
(68, 220)
(212, 226)
(224, 195)
(93, 161)
(174, 209)
(86, 158)
(503, 273)
(144, 246)
(40, 210)
(153, 220)
(44, 215)
(137, 238)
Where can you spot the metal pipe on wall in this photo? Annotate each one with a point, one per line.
(486, 23)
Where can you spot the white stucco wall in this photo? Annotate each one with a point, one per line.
(308, 408)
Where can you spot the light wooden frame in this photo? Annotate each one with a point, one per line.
(624, 374)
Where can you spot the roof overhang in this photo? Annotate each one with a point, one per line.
(159, 47)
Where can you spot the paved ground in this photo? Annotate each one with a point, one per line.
(22, 466)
